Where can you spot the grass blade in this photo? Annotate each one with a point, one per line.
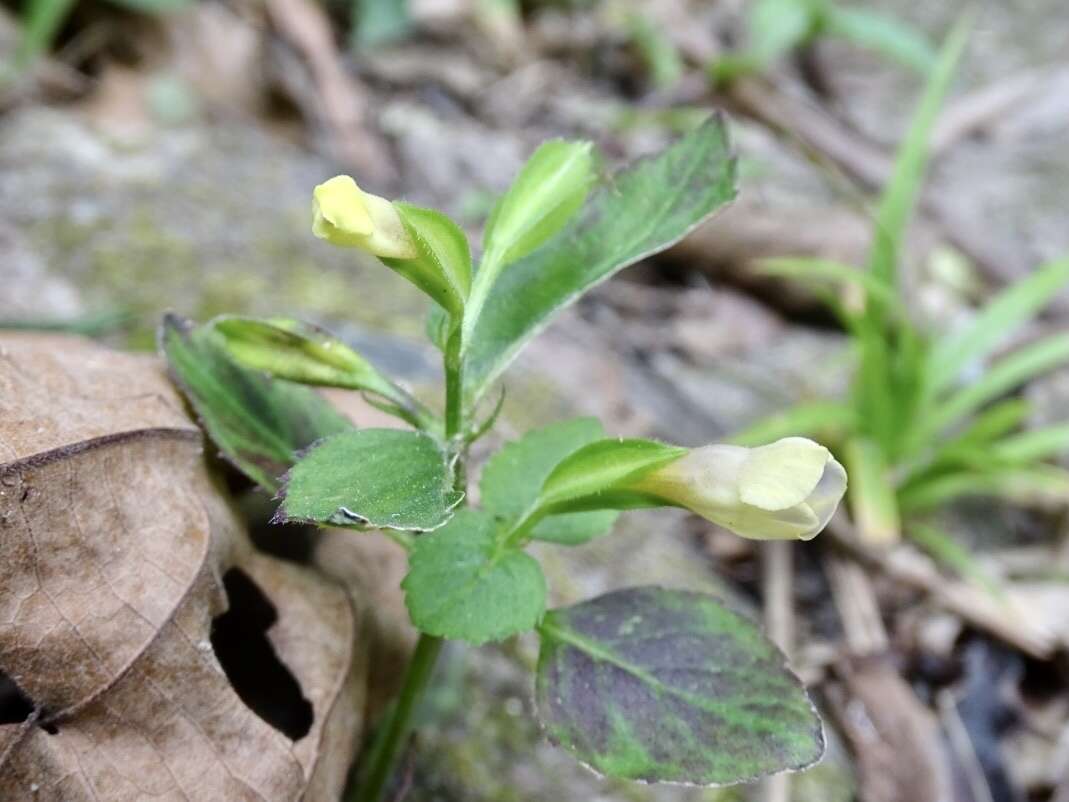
(817, 418)
(1038, 444)
(994, 323)
(900, 195)
(872, 496)
(1005, 375)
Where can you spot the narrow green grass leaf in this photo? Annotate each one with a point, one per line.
(826, 269)
(871, 491)
(664, 685)
(462, 585)
(41, 22)
(377, 478)
(1005, 375)
(900, 195)
(1040, 485)
(880, 33)
(820, 419)
(1034, 445)
(994, 324)
(259, 424)
(638, 212)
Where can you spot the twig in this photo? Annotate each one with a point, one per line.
(341, 102)
(858, 607)
(905, 564)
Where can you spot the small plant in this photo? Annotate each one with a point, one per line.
(925, 423)
(777, 27)
(646, 683)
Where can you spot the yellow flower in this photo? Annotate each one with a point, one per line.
(787, 490)
(347, 216)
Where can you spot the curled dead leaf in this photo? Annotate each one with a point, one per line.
(118, 555)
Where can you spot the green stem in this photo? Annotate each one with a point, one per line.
(454, 388)
(382, 757)
(388, 743)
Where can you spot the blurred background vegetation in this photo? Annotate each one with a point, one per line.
(892, 280)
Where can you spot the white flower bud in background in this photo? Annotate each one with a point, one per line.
(347, 216)
(787, 490)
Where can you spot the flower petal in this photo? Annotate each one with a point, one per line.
(782, 474)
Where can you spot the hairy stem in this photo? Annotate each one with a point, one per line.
(390, 739)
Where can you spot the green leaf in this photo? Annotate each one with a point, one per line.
(41, 22)
(378, 22)
(826, 269)
(601, 467)
(513, 476)
(659, 53)
(900, 194)
(443, 267)
(639, 212)
(259, 424)
(778, 26)
(462, 585)
(872, 493)
(881, 33)
(1008, 373)
(1040, 485)
(301, 352)
(549, 189)
(546, 194)
(804, 420)
(663, 685)
(1034, 445)
(994, 324)
(378, 478)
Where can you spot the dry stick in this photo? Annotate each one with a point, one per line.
(866, 163)
(905, 564)
(342, 102)
(778, 581)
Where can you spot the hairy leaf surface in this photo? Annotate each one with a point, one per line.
(640, 211)
(382, 478)
(260, 424)
(462, 585)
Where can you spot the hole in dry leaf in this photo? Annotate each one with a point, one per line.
(15, 705)
(260, 679)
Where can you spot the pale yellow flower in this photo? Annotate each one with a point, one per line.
(347, 216)
(787, 490)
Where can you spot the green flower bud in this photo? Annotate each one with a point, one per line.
(348, 217)
(787, 490)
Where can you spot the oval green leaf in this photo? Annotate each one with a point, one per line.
(671, 686)
(638, 212)
(377, 478)
(462, 585)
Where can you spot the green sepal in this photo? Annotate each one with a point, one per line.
(512, 477)
(259, 424)
(443, 267)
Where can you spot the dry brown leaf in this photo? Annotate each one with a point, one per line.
(115, 543)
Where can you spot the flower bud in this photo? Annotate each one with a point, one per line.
(787, 490)
(347, 216)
